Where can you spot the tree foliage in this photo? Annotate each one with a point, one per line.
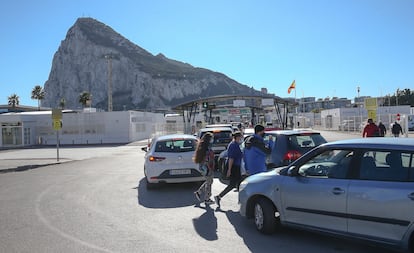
(84, 97)
(39, 94)
(13, 100)
(400, 97)
(62, 103)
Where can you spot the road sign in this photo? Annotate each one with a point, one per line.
(239, 103)
(371, 103)
(268, 102)
(372, 114)
(57, 124)
(56, 114)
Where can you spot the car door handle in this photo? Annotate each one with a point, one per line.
(337, 191)
(411, 196)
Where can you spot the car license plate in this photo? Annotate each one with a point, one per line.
(180, 172)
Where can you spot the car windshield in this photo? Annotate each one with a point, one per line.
(331, 163)
(175, 145)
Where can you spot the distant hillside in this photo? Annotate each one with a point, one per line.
(140, 80)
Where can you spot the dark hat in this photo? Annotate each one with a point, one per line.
(258, 128)
(237, 134)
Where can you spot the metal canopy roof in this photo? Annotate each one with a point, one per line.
(223, 98)
(252, 101)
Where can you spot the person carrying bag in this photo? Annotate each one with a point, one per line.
(204, 156)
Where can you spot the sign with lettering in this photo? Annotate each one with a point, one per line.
(56, 114)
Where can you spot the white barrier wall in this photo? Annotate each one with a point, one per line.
(36, 128)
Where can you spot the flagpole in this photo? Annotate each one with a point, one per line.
(296, 107)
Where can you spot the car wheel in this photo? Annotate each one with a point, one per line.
(411, 244)
(265, 216)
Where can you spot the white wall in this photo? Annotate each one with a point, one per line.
(88, 127)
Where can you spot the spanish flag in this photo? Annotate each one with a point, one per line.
(292, 86)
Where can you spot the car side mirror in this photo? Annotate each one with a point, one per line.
(145, 149)
(292, 172)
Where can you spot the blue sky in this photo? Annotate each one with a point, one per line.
(328, 46)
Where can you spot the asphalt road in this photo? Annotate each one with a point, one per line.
(96, 201)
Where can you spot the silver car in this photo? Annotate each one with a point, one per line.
(361, 188)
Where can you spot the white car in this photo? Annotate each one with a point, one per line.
(169, 159)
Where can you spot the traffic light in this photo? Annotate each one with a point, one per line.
(205, 104)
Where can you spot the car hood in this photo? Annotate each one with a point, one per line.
(265, 176)
(263, 183)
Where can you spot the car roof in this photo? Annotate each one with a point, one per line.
(175, 136)
(212, 129)
(375, 143)
(219, 125)
(292, 132)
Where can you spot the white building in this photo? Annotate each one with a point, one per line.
(35, 128)
(333, 118)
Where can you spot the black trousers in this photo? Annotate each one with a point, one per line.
(235, 179)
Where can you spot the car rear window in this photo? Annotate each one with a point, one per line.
(175, 145)
(220, 136)
(305, 141)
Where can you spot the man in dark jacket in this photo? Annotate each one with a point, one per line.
(396, 129)
(256, 150)
(383, 130)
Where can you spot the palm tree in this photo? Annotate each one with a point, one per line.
(39, 94)
(13, 100)
(62, 103)
(84, 97)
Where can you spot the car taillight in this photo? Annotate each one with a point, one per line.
(156, 158)
(291, 155)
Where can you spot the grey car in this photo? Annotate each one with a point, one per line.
(289, 145)
(361, 188)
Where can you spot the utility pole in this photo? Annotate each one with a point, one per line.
(109, 57)
(396, 97)
(359, 108)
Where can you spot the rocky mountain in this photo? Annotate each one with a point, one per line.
(92, 52)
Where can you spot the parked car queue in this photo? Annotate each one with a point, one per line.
(359, 188)
(288, 146)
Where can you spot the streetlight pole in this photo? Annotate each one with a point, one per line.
(359, 108)
(396, 97)
(109, 57)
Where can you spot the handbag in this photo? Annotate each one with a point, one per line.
(203, 169)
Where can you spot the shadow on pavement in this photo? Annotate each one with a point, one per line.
(206, 224)
(292, 240)
(167, 195)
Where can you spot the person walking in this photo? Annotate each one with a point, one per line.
(370, 129)
(235, 156)
(256, 150)
(396, 129)
(382, 129)
(204, 156)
